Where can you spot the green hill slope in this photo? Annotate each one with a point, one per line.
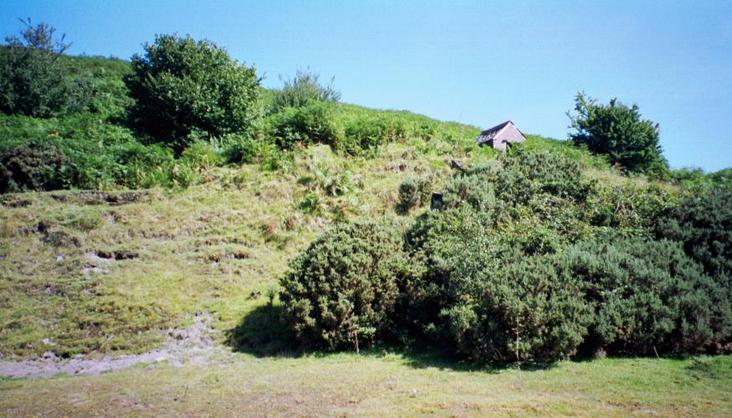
(218, 245)
(140, 242)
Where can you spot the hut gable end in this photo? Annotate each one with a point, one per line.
(501, 135)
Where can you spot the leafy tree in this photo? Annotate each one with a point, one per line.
(617, 131)
(33, 80)
(184, 88)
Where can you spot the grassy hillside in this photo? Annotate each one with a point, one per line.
(106, 271)
(111, 266)
(208, 247)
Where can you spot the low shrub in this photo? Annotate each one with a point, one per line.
(369, 132)
(703, 224)
(306, 125)
(340, 293)
(526, 173)
(34, 167)
(628, 206)
(485, 298)
(140, 166)
(648, 297)
(520, 310)
(241, 148)
(303, 89)
(202, 155)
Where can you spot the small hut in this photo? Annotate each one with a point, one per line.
(501, 135)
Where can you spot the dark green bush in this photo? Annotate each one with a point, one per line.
(341, 292)
(521, 178)
(181, 86)
(617, 131)
(703, 224)
(34, 167)
(485, 297)
(523, 311)
(526, 173)
(476, 189)
(310, 124)
(648, 297)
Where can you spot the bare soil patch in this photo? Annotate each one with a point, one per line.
(193, 345)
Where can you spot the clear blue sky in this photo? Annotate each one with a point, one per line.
(478, 62)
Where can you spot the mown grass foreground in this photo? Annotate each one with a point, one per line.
(385, 384)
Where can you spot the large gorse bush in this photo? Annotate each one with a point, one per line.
(342, 291)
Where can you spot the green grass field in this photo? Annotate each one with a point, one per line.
(384, 384)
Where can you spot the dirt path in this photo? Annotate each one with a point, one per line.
(193, 345)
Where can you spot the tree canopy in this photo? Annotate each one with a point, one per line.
(619, 132)
(182, 87)
(33, 81)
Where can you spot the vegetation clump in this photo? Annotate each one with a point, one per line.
(304, 89)
(648, 297)
(33, 167)
(413, 193)
(306, 125)
(516, 265)
(342, 291)
(181, 87)
(703, 224)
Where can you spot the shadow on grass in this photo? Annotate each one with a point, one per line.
(263, 333)
(445, 360)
